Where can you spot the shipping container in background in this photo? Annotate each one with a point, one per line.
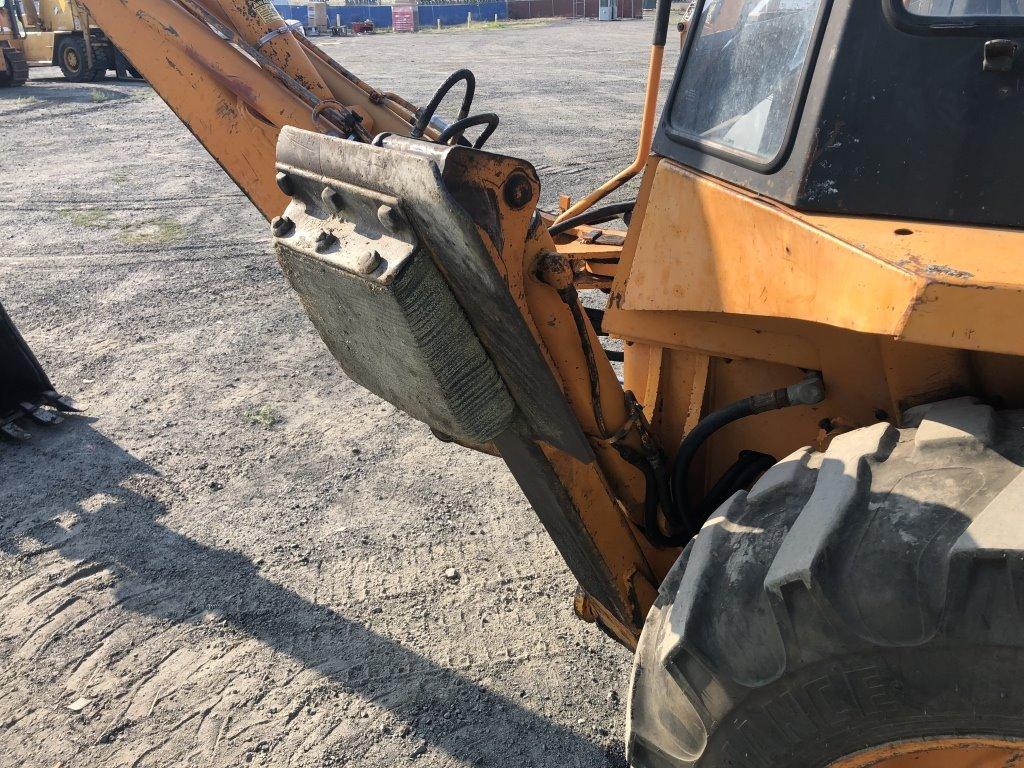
(403, 18)
(318, 21)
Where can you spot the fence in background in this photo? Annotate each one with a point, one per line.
(456, 13)
(538, 9)
(449, 14)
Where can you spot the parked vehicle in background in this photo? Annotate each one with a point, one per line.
(60, 33)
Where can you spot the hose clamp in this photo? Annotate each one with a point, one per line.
(272, 34)
(635, 420)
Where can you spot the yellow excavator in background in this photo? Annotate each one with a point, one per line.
(44, 34)
(803, 503)
(13, 62)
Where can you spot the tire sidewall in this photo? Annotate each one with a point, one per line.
(77, 46)
(826, 711)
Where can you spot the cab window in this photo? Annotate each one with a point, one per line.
(741, 79)
(965, 8)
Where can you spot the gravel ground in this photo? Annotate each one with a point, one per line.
(236, 556)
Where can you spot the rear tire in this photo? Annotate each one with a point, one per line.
(71, 58)
(855, 598)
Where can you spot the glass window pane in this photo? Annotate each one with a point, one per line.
(965, 7)
(740, 80)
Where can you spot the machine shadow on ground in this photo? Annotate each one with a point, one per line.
(118, 530)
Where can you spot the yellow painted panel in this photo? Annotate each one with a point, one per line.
(39, 47)
(707, 248)
(968, 317)
(946, 252)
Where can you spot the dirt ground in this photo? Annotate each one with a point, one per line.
(236, 556)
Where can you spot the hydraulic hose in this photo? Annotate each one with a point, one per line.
(571, 298)
(646, 123)
(810, 391)
(748, 466)
(652, 525)
(456, 129)
(423, 120)
(596, 216)
(655, 498)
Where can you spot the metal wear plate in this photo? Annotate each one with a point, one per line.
(427, 221)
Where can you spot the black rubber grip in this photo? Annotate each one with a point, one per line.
(661, 22)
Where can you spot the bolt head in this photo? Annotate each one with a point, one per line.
(389, 217)
(285, 183)
(367, 261)
(282, 226)
(324, 241)
(518, 190)
(332, 199)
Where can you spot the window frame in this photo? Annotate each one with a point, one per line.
(722, 151)
(966, 26)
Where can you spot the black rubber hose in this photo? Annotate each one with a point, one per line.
(688, 448)
(678, 536)
(615, 355)
(808, 392)
(661, 22)
(653, 499)
(748, 466)
(571, 298)
(459, 127)
(423, 120)
(594, 216)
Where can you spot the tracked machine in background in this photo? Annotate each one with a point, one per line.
(13, 63)
(802, 504)
(59, 33)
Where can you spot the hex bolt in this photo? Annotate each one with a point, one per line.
(332, 199)
(518, 190)
(324, 241)
(285, 183)
(282, 226)
(390, 218)
(367, 261)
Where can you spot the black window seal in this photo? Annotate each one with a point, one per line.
(962, 26)
(745, 159)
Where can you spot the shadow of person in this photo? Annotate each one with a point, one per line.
(111, 530)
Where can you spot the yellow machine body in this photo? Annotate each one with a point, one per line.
(718, 293)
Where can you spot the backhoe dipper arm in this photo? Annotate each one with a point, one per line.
(235, 74)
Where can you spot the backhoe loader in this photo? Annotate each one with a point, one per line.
(803, 503)
(58, 33)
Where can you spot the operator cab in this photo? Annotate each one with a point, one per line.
(904, 108)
